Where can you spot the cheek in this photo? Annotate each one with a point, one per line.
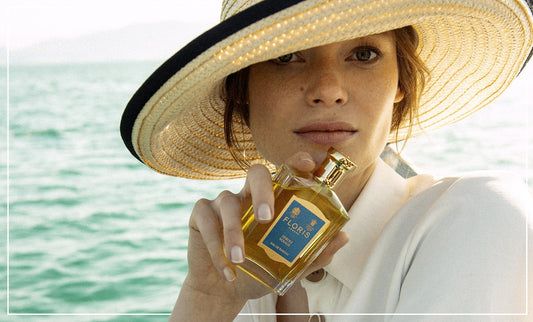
(260, 125)
(261, 107)
(266, 132)
(271, 96)
(384, 120)
(274, 100)
(259, 90)
(264, 114)
(376, 106)
(381, 92)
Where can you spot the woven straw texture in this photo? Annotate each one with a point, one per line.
(473, 49)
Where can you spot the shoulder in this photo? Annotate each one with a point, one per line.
(490, 182)
(477, 192)
(475, 206)
(466, 244)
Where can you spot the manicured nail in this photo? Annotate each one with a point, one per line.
(263, 212)
(307, 159)
(236, 254)
(228, 274)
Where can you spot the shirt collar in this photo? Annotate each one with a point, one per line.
(382, 196)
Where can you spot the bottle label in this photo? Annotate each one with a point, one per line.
(298, 225)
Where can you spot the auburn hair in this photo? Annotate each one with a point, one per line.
(412, 77)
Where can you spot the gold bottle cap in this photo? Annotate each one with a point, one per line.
(332, 170)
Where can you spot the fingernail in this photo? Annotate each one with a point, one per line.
(228, 274)
(263, 212)
(307, 159)
(236, 254)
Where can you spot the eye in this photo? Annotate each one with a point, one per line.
(292, 57)
(366, 54)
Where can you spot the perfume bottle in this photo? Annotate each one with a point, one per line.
(307, 214)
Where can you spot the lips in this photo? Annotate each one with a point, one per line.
(326, 133)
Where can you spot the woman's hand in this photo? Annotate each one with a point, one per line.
(216, 243)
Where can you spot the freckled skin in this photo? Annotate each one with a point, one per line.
(327, 84)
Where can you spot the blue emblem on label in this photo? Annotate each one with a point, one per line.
(293, 231)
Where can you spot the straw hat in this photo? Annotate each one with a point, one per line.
(174, 122)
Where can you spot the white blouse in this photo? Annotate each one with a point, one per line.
(421, 249)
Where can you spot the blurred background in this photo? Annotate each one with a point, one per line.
(87, 232)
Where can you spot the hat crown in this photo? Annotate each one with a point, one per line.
(175, 122)
(232, 7)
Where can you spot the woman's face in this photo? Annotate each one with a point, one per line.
(339, 95)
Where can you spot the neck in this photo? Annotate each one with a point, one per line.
(350, 188)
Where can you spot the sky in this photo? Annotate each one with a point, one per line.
(24, 23)
(28, 22)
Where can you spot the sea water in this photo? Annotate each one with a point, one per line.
(90, 234)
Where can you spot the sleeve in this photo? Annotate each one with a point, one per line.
(259, 310)
(471, 261)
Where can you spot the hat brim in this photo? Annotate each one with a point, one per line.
(174, 122)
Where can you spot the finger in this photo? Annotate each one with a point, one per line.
(301, 163)
(206, 221)
(325, 258)
(231, 223)
(258, 187)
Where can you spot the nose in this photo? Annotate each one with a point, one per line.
(325, 87)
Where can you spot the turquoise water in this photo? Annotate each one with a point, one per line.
(95, 234)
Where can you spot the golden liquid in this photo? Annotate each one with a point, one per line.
(285, 275)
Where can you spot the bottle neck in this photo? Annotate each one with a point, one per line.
(334, 168)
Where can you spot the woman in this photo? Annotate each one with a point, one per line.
(280, 82)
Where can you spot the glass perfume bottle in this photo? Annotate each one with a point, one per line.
(307, 214)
